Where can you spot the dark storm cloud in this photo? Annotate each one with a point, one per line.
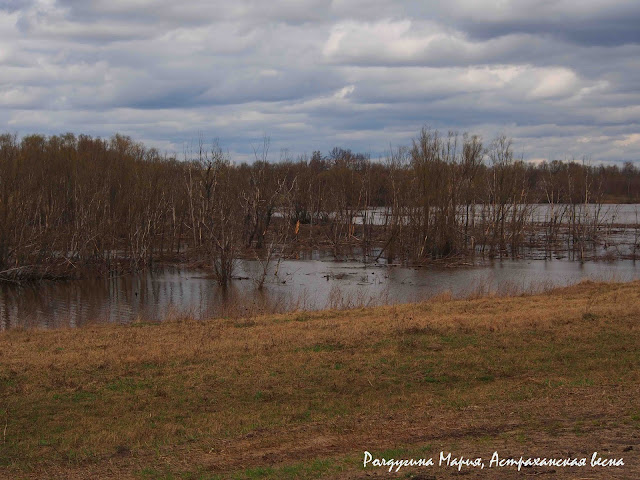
(561, 77)
(612, 25)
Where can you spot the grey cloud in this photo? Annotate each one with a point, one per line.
(590, 22)
(14, 5)
(560, 77)
(602, 32)
(170, 13)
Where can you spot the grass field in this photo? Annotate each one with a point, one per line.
(303, 395)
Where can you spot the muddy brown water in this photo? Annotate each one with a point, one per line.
(315, 283)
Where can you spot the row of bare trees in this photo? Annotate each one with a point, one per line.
(70, 204)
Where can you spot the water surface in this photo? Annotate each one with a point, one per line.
(299, 285)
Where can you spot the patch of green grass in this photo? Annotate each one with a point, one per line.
(245, 324)
(430, 377)
(76, 397)
(7, 381)
(258, 472)
(79, 397)
(325, 347)
(582, 382)
(391, 453)
(149, 365)
(459, 340)
(314, 469)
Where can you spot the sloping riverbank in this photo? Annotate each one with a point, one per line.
(304, 395)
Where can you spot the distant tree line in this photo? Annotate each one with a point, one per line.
(76, 204)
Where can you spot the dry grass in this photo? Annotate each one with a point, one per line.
(303, 395)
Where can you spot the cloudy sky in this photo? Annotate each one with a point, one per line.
(560, 77)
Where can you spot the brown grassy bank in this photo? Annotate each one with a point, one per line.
(303, 395)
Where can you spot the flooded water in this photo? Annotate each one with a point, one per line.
(299, 285)
(603, 214)
(315, 283)
(617, 214)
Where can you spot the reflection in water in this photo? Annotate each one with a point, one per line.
(300, 284)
